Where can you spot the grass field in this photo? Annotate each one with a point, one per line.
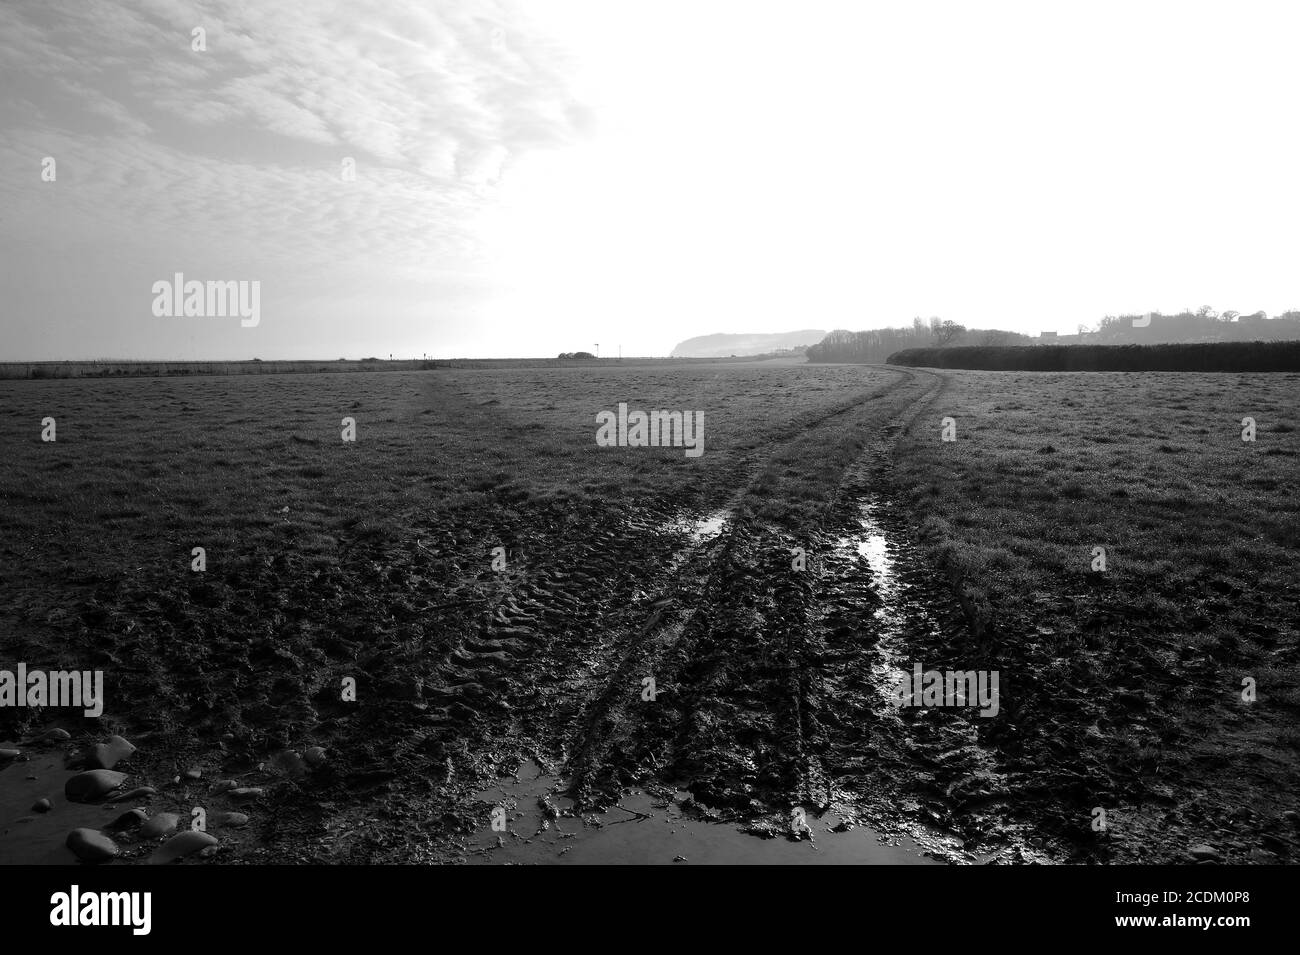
(373, 560)
(1134, 701)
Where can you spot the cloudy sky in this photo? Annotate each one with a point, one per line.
(541, 176)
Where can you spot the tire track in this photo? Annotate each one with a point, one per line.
(728, 645)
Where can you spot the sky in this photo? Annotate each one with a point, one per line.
(557, 175)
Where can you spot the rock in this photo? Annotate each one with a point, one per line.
(57, 734)
(107, 755)
(92, 784)
(245, 794)
(194, 773)
(8, 754)
(181, 845)
(159, 825)
(231, 820)
(224, 785)
(42, 805)
(1205, 853)
(140, 792)
(132, 819)
(90, 845)
(1292, 817)
(315, 755)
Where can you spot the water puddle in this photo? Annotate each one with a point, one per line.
(901, 612)
(542, 828)
(700, 529)
(28, 837)
(896, 610)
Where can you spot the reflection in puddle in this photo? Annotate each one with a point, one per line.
(700, 529)
(898, 614)
(872, 545)
(643, 829)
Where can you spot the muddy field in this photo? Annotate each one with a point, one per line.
(571, 653)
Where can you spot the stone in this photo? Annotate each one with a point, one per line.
(107, 755)
(159, 825)
(181, 845)
(245, 794)
(42, 805)
(92, 784)
(315, 755)
(1205, 853)
(90, 845)
(132, 819)
(231, 820)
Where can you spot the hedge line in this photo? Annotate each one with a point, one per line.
(1213, 356)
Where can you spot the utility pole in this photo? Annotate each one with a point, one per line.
(597, 349)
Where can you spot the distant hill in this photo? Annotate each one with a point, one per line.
(724, 346)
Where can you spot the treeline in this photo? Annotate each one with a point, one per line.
(877, 344)
(1212, 356)
(1202, 325)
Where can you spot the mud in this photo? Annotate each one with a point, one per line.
(770, 697)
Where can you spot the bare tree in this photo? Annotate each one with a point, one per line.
(945, 333)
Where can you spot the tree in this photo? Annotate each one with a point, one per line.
(946, 332)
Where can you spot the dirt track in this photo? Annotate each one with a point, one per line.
(769, 598)
(768, 681)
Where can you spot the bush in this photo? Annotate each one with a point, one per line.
(1215, 356)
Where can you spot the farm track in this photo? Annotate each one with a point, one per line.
(769, 681)
(763, 697)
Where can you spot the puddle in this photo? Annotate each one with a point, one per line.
(896, 611)
(644, 829)
(899, 613)
(31, 838)
(700, 529)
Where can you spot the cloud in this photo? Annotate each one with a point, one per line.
(242, 144)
